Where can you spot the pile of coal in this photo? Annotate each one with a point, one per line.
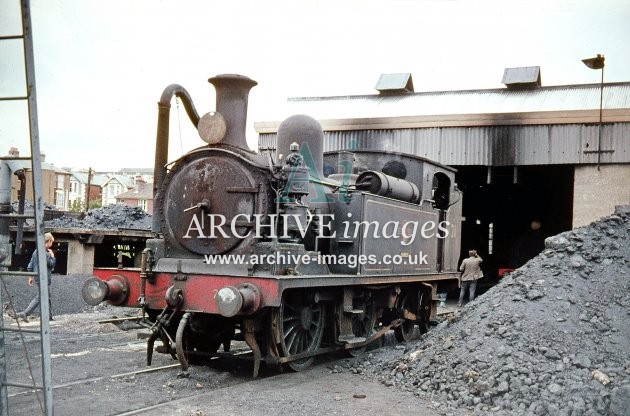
(118, 216)
(553, 338)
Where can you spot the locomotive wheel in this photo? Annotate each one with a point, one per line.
(301, 328)
(406, 332)
(363, 326)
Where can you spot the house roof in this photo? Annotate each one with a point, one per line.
(132, 171)
(26, 165)
(82, 177)
(141, 191)
(123, 180)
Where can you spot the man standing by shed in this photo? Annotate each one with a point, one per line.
(471, 273)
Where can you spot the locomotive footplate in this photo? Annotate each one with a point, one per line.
(199, 292)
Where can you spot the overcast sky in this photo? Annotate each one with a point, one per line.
(101, 66)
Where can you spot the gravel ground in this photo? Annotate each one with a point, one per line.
(551, 339)
(65, 293)
(100, 367)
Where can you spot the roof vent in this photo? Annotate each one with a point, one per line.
(526, 77)
(394, 84)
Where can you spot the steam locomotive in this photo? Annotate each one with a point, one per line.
(294, 251)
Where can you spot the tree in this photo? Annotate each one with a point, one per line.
(76, 205)
(95, 203)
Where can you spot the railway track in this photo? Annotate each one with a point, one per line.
(315, 391)
(108, 370)
(95, 379)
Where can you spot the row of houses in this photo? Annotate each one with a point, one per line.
(66, 189)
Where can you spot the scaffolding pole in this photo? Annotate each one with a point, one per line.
(6, 215)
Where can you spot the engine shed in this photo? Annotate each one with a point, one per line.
(79, 250)
(531, 160)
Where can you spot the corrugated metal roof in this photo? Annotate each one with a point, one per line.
(501, 127)
(495, 101)
(489, 145)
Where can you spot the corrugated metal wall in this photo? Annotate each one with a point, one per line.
(489, 145)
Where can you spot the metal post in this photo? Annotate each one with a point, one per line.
(598, 63)
(5, 257)
(601, 106)
(86, 208)
(39, 208)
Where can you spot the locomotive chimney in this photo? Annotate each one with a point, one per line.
(232, 93)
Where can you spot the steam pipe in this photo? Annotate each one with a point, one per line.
(179, 341)
(161, 141)
(21, 201)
